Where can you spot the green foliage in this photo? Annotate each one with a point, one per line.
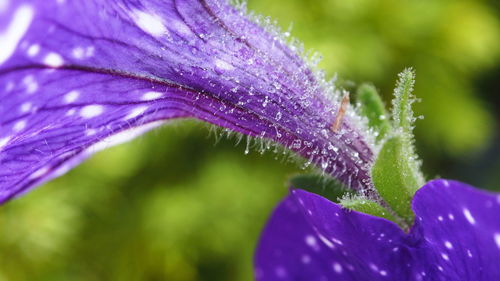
(372, 107)
(363, 205)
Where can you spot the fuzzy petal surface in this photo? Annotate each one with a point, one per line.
(78, 76)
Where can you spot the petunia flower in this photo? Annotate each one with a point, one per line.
(79, 76)
(456, 236)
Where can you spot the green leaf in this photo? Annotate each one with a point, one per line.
(394, 178)
(326, 187)
(372, 107)
(363, 205)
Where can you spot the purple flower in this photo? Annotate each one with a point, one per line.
(456, 236)
(78, 76)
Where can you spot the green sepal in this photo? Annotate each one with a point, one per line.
(372, 107)
(321, 185)
(402, 113)
(363, 205)
(403, 122)
(394, 177)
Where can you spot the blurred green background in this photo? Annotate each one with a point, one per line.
(179, 205)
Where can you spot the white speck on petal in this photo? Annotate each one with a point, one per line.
(31, 87)
(30, 84)
(151, 95)
(70, 112)
(91, 111)
(28, 79)
(337, 267)
(19, 125)
(152, 24)
(448, 245)
(15, 31)
(53, 59)
(222, 65)
(445, 257)
(3, 142)
(90, 132)
(469, 216)
(78, 52)
(337, 241)
(25, 107)
(311, 241)
(327, 242)
(497, 239)
(71, 96)
(33, 50)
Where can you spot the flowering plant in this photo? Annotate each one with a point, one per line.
(79, 76)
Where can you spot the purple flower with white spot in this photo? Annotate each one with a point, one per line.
(456, 236)
(80, 76)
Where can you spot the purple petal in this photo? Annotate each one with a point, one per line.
(74, 74)
(462, 227)
(311, 238)
(456, 237)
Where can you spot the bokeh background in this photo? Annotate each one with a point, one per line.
(181, 204)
